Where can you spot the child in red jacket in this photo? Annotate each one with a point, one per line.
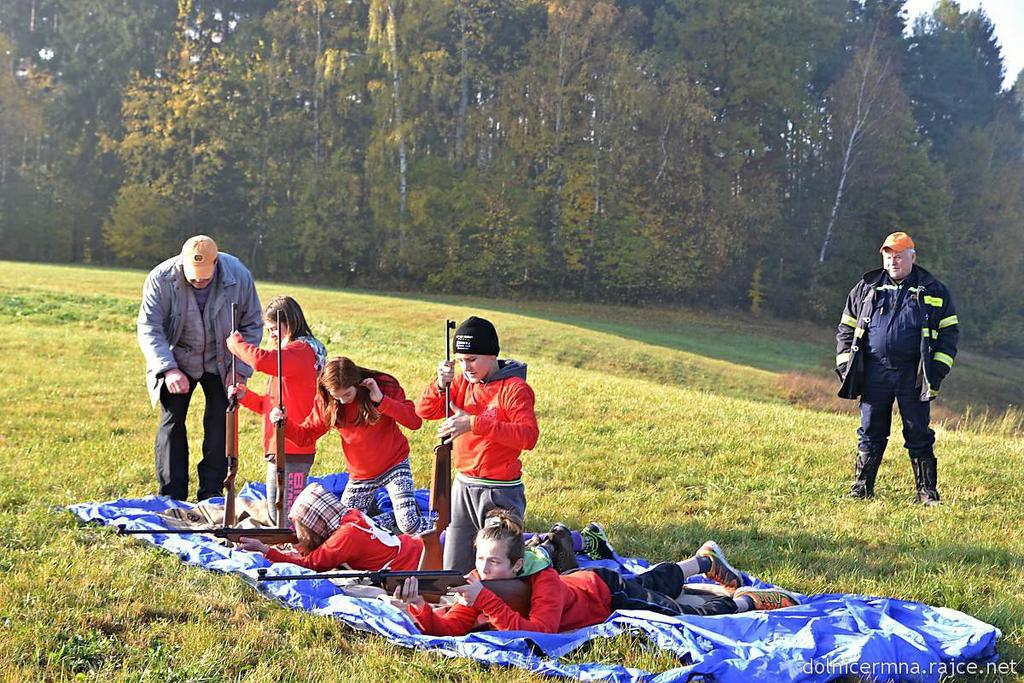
(366, 407)
(580, 598)
(492, 423)
(332, 536)
(302, 357)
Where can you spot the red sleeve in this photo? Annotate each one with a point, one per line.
(520, 431)
(395, 405)
(293, 356)
(334, 552)
(430, 405)
(253, 400)
(311, 429)
(457, 621)
(547, 602)
(275, 555)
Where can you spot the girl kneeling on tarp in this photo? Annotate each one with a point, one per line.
(334, 536)
(580, 598)
(366, 407)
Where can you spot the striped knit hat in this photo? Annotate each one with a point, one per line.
(318, 509)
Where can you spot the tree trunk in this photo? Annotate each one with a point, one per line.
(869, 86)
(317, 82)
(396, 80)
(460, 121)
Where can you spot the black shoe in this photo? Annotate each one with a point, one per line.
(559, 545)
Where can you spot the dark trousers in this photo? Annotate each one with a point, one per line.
(883, 386)
(171, 446)
(655, 589)
(470, 505)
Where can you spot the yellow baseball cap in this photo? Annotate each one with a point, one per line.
(898, 241)
(199, 257)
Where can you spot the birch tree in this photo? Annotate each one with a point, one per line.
(864, 102)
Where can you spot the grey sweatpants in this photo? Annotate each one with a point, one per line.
(470, 504)
(296, 471)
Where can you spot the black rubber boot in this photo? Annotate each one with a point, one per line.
(926, 478)
(865, 471)
(557, 543)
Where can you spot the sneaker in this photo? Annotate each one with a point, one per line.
(768, 598)
(595, 542)
(721, 571)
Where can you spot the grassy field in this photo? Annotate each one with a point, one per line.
(668, 427)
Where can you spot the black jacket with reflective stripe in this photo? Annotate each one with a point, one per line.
(940, 332)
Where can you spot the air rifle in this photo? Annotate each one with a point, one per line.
(516, 593)
(231, 437)
(432, 557)
(233, 534)
(280, 457)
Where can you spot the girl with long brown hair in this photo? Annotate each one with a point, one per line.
(365, 407)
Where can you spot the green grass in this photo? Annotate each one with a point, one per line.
(668, 427)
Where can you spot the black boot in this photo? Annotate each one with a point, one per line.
(926, 478)
(557, 543)
(865, 470)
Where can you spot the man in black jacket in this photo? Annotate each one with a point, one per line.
(896, 341)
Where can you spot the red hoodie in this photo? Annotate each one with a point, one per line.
(361, 545)
(298, 365)
(557, 603)
(369, 450)
(503, 424)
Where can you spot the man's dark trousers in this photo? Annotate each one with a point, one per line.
(172, 440)
(882, 387)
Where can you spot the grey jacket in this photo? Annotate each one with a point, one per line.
(161, 318)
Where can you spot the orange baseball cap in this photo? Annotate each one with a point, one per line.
(199, 257)
(898, 241)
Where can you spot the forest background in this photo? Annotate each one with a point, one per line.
(713, 153)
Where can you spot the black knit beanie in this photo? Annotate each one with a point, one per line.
(476, 335)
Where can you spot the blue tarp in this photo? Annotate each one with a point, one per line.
(829, 636)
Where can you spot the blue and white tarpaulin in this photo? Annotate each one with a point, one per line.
(827, 637)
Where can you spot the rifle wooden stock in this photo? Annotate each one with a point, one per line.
(231, 454)
(233, 534)
(516, 593)
(279, 460)
(231, 438)
(432, 557)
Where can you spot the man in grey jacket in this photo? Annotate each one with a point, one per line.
(184, 322)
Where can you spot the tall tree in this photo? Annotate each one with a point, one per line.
(867, 108)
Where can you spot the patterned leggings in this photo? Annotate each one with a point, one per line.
(359, 494)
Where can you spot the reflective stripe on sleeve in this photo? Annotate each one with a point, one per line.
(947, 322)
(944, 358)
(849, 320)
(933, 301)
(842, 358)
